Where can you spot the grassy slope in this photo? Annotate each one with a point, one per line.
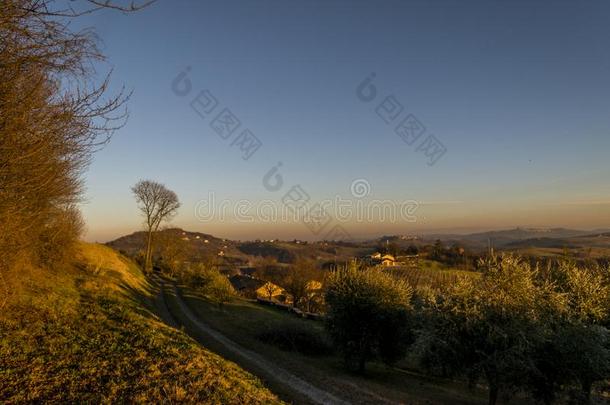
(83, 335)
(242, 321)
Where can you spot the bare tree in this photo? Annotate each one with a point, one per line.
(157, 204)
(270, 289)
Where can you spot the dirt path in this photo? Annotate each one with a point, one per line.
(159, 303)
(314, 394)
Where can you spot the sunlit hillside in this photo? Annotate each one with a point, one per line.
(88, 334)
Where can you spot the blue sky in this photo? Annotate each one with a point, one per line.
(517, 92)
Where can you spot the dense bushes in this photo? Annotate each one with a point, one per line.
(208, 281)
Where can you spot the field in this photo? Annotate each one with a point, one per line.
(430, 273)
(85, 335)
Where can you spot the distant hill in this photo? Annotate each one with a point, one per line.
(600, 234)
(136, 241)
(555, 243)
(237, 253)
(231, 253)
(512, 237)
(202, 244)
(582, 240)
(266, 249)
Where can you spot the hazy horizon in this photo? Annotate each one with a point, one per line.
(355, 237)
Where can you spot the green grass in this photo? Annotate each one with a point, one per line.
(83, 335)
(431, 273)
(243, 322)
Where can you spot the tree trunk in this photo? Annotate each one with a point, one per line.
(493, 394)
(363, 351)
(586, 390)
(472, 381)
(148, 259)
(361, 364)
(491, 375)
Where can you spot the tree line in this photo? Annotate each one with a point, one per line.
(518, 327)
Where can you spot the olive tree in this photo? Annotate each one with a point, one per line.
(368, 315)
(520, 328)
(580, 340)
(491, 326)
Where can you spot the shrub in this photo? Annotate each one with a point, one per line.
(208, 281)
(219, 289)
(57, 244)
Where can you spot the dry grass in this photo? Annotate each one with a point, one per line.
(83, 335)
(104, 261)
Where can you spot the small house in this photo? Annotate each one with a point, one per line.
(248, 271)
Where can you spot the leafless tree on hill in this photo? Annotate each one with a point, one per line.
(158, 204)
